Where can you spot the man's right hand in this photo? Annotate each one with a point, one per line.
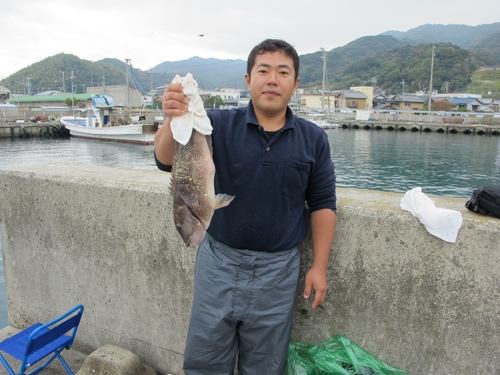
(174, 102)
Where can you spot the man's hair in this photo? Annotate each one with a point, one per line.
(273, 45)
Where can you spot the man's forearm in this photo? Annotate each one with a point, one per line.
(164, 143)
(323, 224)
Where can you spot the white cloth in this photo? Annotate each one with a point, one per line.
(195, 118)
(440, 222)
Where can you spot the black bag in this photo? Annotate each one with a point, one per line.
(485, 201)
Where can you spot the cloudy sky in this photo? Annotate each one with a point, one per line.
(150, 32)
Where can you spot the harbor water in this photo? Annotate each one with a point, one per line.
(442, 164)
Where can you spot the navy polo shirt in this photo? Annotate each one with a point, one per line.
(272, 179)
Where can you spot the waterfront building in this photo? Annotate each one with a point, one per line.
(352, 99)
(4, 93)
(368, 91)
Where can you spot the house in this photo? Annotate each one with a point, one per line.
(4, 93)
(383, 107)
(351, 99)
(380, 100)
(315, 100)
(408, 102)
(470, 104)
(57, 99)
(490, 105)
(122, 96)
(368, 91)
(54, 100)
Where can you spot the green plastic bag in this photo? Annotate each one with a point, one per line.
(336, 356)
(300, 361)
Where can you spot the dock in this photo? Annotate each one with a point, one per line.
(32, 130)
(401, 126)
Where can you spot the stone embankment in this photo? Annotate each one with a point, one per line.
(32, 129)
(104, 237)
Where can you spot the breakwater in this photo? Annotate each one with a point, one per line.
(105, 237)
(447, 128)
(440, 122)
(32, 129)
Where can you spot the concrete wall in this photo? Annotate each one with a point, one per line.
(104, 237)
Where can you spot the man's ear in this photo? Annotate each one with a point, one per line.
(247, 80)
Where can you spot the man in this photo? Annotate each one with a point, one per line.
(247, 266)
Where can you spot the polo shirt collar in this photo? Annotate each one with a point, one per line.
(252, 119)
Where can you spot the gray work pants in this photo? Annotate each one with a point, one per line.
(243, 304)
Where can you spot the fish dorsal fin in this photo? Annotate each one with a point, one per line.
(222, 200)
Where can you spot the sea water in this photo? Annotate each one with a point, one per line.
(442, 164)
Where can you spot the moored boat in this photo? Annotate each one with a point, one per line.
(325, 124)
(105, 122)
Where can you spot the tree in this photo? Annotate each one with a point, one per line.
(213, 102)
(442, 105)
(71, 101)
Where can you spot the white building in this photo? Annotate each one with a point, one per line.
(122, 96)
(224, 93)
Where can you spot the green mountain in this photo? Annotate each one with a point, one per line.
(489, 49)
(55, 73)
(411, 66)
(142, 80)
(210, 73)
(461, 35)
(339, 59)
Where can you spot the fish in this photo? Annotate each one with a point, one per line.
(193, 171)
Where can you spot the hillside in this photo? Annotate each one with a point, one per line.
(489, 49)
(453, 67)
(461, 35)
(211, 73)
(339, 59)
(54, 73)
(486, 82)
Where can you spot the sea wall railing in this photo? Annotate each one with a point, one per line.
(418, 116)
(104, 237)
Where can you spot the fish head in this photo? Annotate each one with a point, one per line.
(188, 226)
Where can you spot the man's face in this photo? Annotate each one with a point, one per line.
(272, 83)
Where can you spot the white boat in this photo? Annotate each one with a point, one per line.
(106, 122)
(326, 125)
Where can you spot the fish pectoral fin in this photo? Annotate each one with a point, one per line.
(188, 194)
(222, 200)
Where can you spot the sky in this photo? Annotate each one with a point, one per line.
(149, 32)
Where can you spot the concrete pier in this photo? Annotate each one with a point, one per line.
(32, 129)
(467, 129)
(105, 237)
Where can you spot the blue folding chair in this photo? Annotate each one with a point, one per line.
(38, 341)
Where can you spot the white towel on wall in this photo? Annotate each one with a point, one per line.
(440, 222)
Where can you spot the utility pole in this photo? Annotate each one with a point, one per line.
(127, 62)
(324, 78)
(430, 86)
(72, 94)
(403, 94)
